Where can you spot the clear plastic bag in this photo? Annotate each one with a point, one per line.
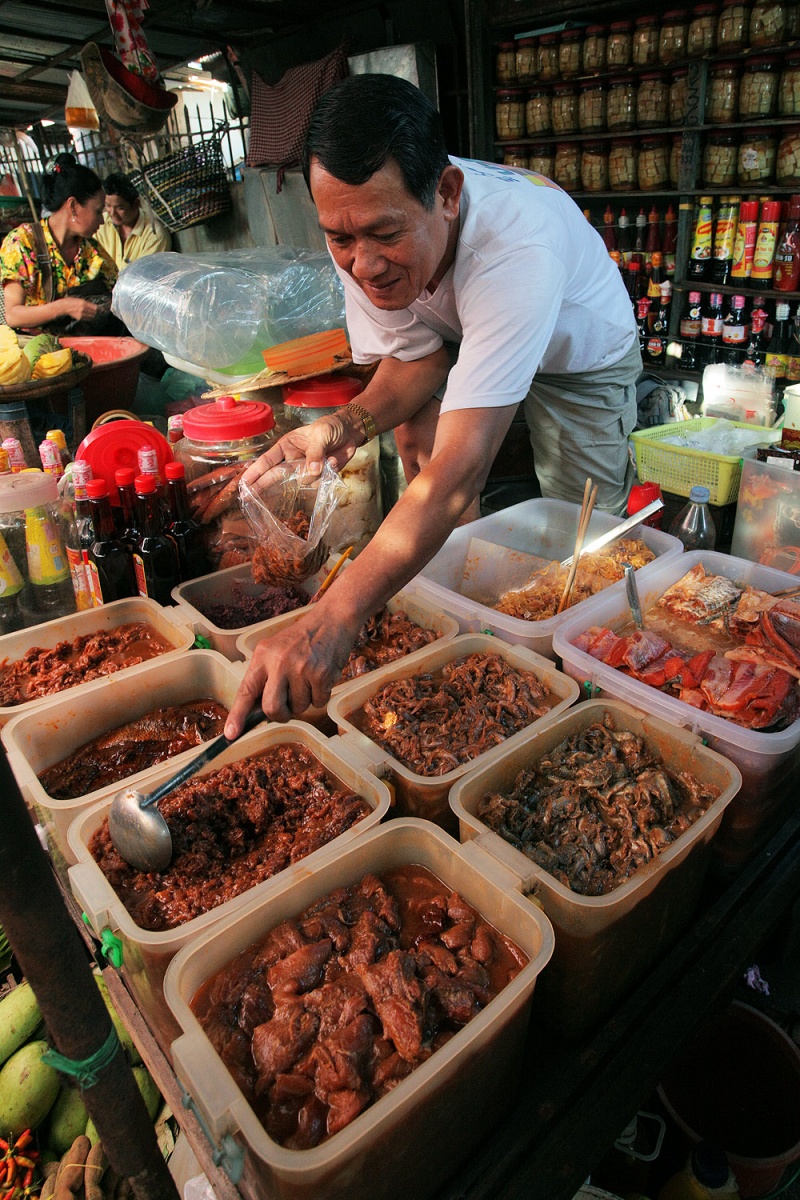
(290, 516)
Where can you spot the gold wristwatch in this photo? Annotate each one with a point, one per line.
(366, 418)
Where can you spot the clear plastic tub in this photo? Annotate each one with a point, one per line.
(164, 621)
(455, 578)
(37, 739)
(767, 528)
(426, 795)
(409, 1141)
(769, 762)
(146, 954)
(604, 944)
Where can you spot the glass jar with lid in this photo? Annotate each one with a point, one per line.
(567, 165)
(672, 38)
(652, 100)
(34, 564)
(767, 23)
(537, 110)
(595, 49)
(542, 159)
(758, 87)
(515, 156)
(622, 169)
(701, 37)
(644, 48)
(569, 53)
(564, 108)
(679, 96)
(592, 106)
(653, 163)
(621, 102)
(789, 87)
(792, 20)
(619, 44)
(509, 113)
(733, 26)
(547, 57)
(526, 61)
(594, 166)
(757, 154)
(506, 63)
(720, 160)
(675, 160)
(722, 94)
(787, 164)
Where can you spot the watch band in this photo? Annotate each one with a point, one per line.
(366, 418)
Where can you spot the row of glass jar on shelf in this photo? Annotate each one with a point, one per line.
(648, 41)
(767, 86)
(760, 156)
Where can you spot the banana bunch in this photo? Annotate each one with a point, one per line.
(14, 366)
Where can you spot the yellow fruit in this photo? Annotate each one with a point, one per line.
(14, 366)
(8, 337)
(53, 364)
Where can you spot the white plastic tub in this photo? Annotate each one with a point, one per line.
(409, 1141)
(49, 732)
(426, 795)
(541, 527)
(145, 953)
(164, 621)
(604, 944)
(769, 762)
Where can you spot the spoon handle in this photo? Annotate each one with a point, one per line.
(215, 747)
(633, 595)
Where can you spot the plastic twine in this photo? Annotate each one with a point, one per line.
(85, 1070)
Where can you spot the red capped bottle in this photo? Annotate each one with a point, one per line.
(735, 331)
(128, 529)
(155, 558)
(183, 529)
(787, 255)
(711, 330)
(110, 564)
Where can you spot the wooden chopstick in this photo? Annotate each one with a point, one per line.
(589, 497)
(329, 578)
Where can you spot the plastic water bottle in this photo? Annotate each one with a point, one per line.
(706, 1176)
(694, 524)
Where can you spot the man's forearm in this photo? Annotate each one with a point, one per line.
(398, 390)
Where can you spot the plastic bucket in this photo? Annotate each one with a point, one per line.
(737, 1083)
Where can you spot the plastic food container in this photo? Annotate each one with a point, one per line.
(767, 528)
(426, 795)
(542, 527)
(139, 608)
(393, 1150)
(146, 954)
(604, 944)
(769, 762)
(37, 739)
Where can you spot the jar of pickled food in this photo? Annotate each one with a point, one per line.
(515, 156)
(644, 48)
(623, 154)
(733, 26)
(506, 63)
(758, 87)
(722, 95)
(653, 163)
(621, 102)
(789, 87)
(564, 108)
(672, 38)
(547, 57)
(526, 61)
(720, 160)
(652, 100)
(567, 165)
(592, 106)
(509, 113)
(701, 37)
(537, 110)
(792, 20)
(594, 166)
(679, 96)
(595, 49)
(675, 160)
(542, 160)
(767, 23)
(757, 155)
(619, 44)
(787, 163)
(569, 53)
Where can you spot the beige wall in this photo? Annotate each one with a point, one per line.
(261, 216)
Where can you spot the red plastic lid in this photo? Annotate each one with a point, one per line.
(324, 391)
(145, 484)
(175, 470)
(228, 420)
(124, 476)
(116, 445)
(96, 488)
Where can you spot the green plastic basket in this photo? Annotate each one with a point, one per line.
(677, 468)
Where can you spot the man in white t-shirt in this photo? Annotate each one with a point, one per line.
(467, 281)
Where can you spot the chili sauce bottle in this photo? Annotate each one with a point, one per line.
(183, 529)
(110, 564)
(155, 557)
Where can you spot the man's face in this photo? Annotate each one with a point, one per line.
(382, 237)
(121, 212)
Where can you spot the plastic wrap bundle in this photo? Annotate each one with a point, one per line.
(219, 311)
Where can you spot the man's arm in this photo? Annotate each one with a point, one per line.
(300, 666)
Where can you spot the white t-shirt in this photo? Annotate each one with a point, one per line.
(532, 288)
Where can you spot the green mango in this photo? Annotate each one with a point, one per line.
(68, 1118)
(149, 1089)
(133, 1055)
(19, 1017)
(91, 1132)
(28, 1089)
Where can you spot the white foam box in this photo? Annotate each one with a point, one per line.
(410, 1140)
(769, 762)
(459, 576)
(146, 954)
(50, 732)
(604, 944)
(426, 795)
(164, 621)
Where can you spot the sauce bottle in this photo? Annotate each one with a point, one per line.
(745, 243)
(59, 437)
(128, 528)
(766, 238)
(110, 564)
(155, 558)
(11, 585)
(694, 525)
(787, 255)
(51, 593)
(700, 254)
(183, 529)
(711, 330)
(725, 239)
(735, 330)
(79, 538)
(669, 241)
(706, 1176)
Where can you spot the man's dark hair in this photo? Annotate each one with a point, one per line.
(119, 185)
(66, 178)
(362, 122)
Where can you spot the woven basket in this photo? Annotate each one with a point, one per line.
(186, 187)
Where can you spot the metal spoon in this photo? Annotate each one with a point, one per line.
(634, 603)
(139, 832)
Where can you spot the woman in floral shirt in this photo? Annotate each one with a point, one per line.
(75, 199)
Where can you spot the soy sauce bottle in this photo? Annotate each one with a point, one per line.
(110, 564)
(126, 512)
(183, 529)
(155, 557)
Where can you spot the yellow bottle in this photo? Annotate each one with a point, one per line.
(705, 1176)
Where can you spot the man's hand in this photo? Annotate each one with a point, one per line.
(335, 438)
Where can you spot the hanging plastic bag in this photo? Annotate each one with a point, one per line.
(79, 112)
(289, 517)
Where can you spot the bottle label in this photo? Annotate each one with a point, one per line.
(94, 584)
(80, 582)
(141, 578)
(793, 368)
(11, 581)
(764, 253)
(734, 335)
(724, 237)
(711, 326)
(669, 264)
(691, 326)
(701, 243)
(776, 365)
(47, 563)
